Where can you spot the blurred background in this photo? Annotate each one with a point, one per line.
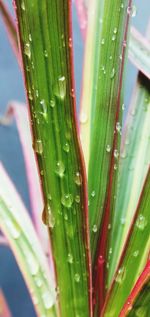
(11, 88)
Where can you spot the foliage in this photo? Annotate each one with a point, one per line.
(95, 203)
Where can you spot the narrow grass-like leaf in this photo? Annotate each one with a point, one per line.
(139, 52)
(17, 227)
(133, 167)
(138, 302)
(139, 48)
(4, 310)
(19, 112)
(46, 45)
(10, 27)
(133, 258)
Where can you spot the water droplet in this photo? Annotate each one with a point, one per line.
(47, 217)
(44, 108)
(110, 57)
(30, 95)
(45, 53)
(123, 107)
(77, 277)
(129, 10)
(113, 37)
(115, 30)
(103, 41)
(66, 147)
(141, 222)
(38, 146)
(134, 11)
(60, 169)
(52, 103)
(93, 193)
(83, 117)
(70, 258)
(109, 226)
(67, 200)
(136, 253)
(60, 88)
(77, 199)
(33, 264)
(23, 5)
(122, 5)
(27, 50)
(118, 127)
(48, 300)
(30, 37)
(121, 275)
(112, 75)
(115, 167)
(108, 148)
(110, 251)
(78, 179)
(94, 228)
(116, 154)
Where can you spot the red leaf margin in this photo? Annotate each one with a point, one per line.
(142, 280)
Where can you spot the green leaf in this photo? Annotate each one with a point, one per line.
(138, 302)
(133, 167)
(46, 45)
(20, 233)
(133, 258)
(139, 52)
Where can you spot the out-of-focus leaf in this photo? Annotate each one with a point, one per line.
(138, 302)
(133, 167)
(10, 27)
(139, 52)
(19, 112)
(46, 45)
(4, 310)
(133, 258)
(17, 227)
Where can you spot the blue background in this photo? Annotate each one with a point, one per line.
(11, 88)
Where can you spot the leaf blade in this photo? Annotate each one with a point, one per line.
(28, 253)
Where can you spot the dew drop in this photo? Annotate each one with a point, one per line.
(52, 103)
(30, 37)
(103, 41)
(77, 277)
(93, 193)
(38, 146)
(112, 75)
(115, 30)
(33, 264)
(113, 37)
(67, 200)
(78, 179)
(94, 228)
(115, 167)
(45, 53)
(48, 302)
(60, 169)
(116, 154)
(47, 217)
(70, 42)
(27, 50)
(121, 275)
(23, 5)
(136, 253)
(108, 148)
(141, 222)
(70, 258)
(60, 88)
(77, 199)
(66, 147)
(134, 11)
(123, 220)
(44, 108)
